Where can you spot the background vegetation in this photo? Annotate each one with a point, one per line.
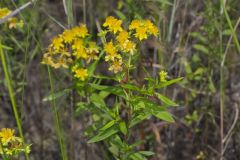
(198, 40)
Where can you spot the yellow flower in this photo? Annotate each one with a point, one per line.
(135, 24)
(151, 28)
(4, 12)
(7, 135)
(47, 59)
(12, 23)
(92, 51)
(79, 50)
(153, 31)
(68, 36)
(163, 76)
(92, 47)
(122, 36)
(80, 73)
(141, 33)
(80, 31)
(109, 48)
(130, 47)
(116, 66)
(57, 43)
(80, 53)
(62, 62)
(112, 57)
(113, 24)
(111, 51)
(127, 46)
(201, 156)
(61, 58)
(77, 44)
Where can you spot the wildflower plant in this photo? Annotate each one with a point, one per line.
(12, 22)
(11, 145)
(74, 49)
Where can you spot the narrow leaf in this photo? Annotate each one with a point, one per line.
(166, 100)
(104, 135)
(56, 95)
(123, 127)
(164, 115)
(164, 84)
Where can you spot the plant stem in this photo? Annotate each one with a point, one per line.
(57, 122)
(235, 39)
(222, 95)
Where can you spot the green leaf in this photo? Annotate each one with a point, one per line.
(114, 149)
(146, 153)
(211, 85)
(139, 118)
(56, 95)
(81, 106)
(137, 156)
(201, 48)
(130, 87)
(165, 2)
(104, 134)
(150, 106)
(97, 100)
(92, 67)
(164, 84)
(187, 67)
(5, 47)
(120, 15)
(114, 90)
(166, 100)
(164, 115)
(123, 128)
(199, 36)
(104, 77)
(199, 71)
(227, 32)
(108, 125)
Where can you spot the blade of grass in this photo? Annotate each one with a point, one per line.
(68, 5)
(172, 21)
(57, 122)
(68, 8)
(234, 34)
(222, 88)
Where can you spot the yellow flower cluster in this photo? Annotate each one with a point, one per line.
(10, 144)
(124, 44)
(113, 24)
(12, 22)
(71, 46)
(143, 29)
(163, 76)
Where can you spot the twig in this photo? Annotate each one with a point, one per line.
(233, 124)
(16, 11)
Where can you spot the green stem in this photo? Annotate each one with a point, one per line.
(11, 94)
(235, 39)
(57, 122)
